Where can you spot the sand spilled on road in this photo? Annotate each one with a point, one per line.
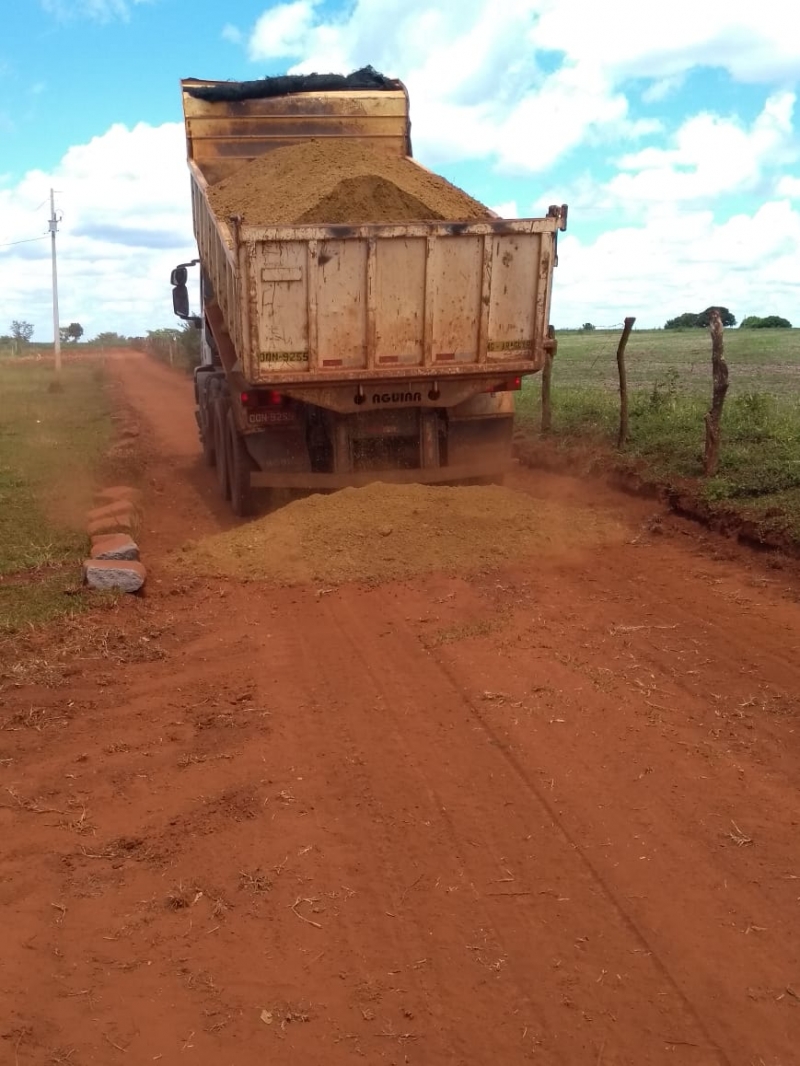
(395, 532)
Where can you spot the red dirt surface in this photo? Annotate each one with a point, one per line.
(549, 815)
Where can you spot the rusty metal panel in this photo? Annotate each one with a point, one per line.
(222, 136)
(399, 301)
(514, 289)
(342, 304)
(280, 308)
(456, 266)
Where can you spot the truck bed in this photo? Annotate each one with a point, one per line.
(314, 303)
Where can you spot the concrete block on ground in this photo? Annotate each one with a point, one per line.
(115, 493)
(114, 546)
(115, 523)
(109, 510)
(111, 574)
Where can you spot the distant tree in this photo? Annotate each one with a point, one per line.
(701, 321)
(769, 322)
(587, 327)
(688, 320)
(110, 339)
(704, 318)
(74, 332)
(21, 331)
(179, 347)
(63, 333)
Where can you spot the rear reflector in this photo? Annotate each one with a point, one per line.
(262, 398)
(511, 385)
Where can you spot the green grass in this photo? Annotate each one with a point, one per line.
(51, 447)
(669, 378)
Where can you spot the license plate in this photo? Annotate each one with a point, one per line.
(270, 418)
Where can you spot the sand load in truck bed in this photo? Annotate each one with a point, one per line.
(342, 182)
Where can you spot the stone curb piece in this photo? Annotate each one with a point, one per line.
(111, 510)
(120, 523)
(108, 574)
(114, 546)
(115, 493)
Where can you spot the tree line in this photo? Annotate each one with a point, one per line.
(702, 320)
(179, 346)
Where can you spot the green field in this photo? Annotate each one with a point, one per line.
(51, 446)
(669, 378)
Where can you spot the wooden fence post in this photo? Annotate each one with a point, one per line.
(719, 372)
(547, 374)
(623, 382)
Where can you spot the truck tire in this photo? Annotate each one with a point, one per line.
(221, 408)
(239, 467)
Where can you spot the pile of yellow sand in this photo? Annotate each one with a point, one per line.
(393, 532)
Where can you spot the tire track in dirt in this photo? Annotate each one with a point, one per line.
(407, 660)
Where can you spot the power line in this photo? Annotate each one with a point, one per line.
(28, 240)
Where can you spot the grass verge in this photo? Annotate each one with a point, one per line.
(51, 447)
(670, 388)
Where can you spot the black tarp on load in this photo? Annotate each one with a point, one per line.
(286, 84)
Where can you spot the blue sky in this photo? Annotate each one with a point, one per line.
(672, 133)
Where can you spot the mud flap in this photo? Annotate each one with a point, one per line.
(221, 408)
(342, 446)
(429, 454)
(479, 441)
(239, 468)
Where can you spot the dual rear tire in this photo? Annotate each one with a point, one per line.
(232, 460)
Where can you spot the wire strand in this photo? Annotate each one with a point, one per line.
(28, 240)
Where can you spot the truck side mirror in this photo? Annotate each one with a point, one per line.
(179, 276)
(180, 300)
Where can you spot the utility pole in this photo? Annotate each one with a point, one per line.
(56, 330)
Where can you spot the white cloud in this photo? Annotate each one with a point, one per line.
(789, 186)
(232, 33)
(508, 209)
(660, 90)
(281, 30)
(477, 88)
(753, 42)
(710, 156)
(682, 260)
(100, 10)
(126, 222)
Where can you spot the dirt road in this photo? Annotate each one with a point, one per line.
(545, 816)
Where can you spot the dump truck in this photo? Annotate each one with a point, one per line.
(338, 354)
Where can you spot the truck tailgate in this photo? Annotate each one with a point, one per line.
(317, 303)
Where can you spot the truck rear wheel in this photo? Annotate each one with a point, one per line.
(221, 407)
(239, 466)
